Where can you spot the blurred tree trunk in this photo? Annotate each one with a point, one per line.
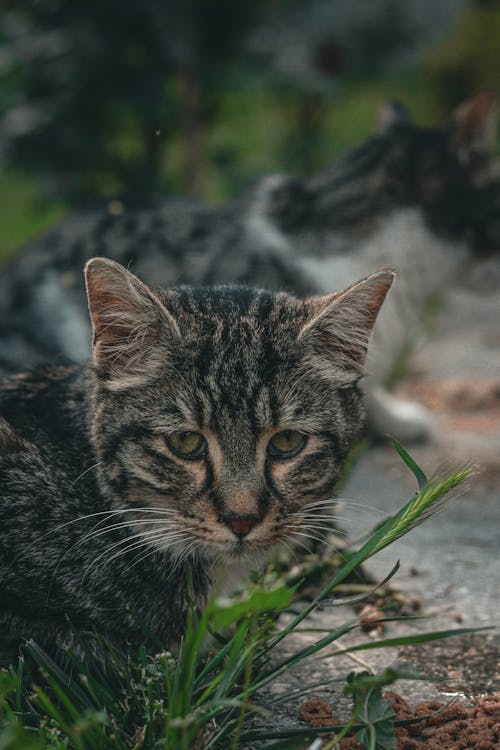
(191, 130)
(153, 149)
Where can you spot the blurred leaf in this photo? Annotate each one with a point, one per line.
(255, 602)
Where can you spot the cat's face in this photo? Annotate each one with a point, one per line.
(224, 416)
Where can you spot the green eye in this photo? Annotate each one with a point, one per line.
(189, 445)
(286, 444)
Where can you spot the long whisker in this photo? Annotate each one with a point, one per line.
(171, 544)
(322, 529)
(311, 519)
(299, 543)
(154, 537)
(145, 537)
(123, 524)
(177, 558)
(86, 471)
(327, 501)
(137, 545)
(97, 531)
(109, 512)
(332, 501)
(291, 551)
(325, 516)
(313, 537)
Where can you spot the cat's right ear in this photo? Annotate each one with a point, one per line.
(132, 328)
(473, 127)
(335, 338)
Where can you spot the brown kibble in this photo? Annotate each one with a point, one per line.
(400, 706)
(458, 617)
(455, 727)
(427, 707)
(405, 742)
(316, 713)
(491, 705)
(350, 744)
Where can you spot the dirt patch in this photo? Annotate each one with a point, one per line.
(452, 727)
(469, 405)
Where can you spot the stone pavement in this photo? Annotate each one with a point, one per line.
(452, 562)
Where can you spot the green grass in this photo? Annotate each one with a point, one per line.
(23, 212)
(108, 700)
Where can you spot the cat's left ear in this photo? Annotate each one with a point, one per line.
(391, 114)
(473, 126)
(340, 325)
(132, 328)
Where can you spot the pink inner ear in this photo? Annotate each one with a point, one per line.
(342, 323)
(375, 298)
(102, 302)
(476, 120)
(95, 297)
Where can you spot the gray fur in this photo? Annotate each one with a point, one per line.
(102, 526)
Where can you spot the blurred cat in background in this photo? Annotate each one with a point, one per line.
(423, 200)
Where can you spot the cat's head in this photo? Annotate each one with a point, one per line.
(450, 173)
(224, 415)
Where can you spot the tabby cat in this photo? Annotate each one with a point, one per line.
(423, 200)
(210, 428)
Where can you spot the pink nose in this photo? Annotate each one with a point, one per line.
(241, 526)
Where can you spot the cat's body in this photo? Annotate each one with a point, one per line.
(211, 428)
(421, 200)
(52, 578)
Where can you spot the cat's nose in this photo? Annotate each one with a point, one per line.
(241, 526)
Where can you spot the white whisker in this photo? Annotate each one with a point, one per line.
(156, 536)
(123, 524)
(108, 513)
(145, 538)
(299, 543)
(308, 536)
(86, 471)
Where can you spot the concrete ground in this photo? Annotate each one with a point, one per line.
(451, 563)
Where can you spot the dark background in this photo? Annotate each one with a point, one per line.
(100, 98)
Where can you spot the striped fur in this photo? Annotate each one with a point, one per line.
(101, 522)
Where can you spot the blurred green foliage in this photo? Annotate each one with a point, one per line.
(113, 98)
(245, 141)
(468, 61)
(92, 90)
(24, 212)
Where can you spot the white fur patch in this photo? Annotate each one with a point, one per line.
(424, 263)
(261, 230)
